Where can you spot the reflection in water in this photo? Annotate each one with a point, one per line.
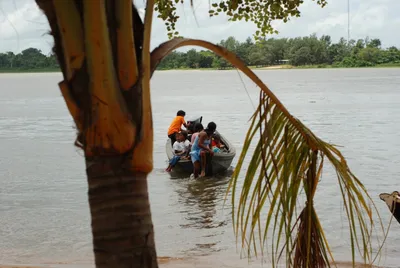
(202, 208)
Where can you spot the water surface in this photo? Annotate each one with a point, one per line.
(44, 215)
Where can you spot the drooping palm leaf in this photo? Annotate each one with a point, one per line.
(287, 157)
(289, 154)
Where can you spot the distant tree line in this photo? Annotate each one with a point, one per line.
(299, 51)
(28, 59)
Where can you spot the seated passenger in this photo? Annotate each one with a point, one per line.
(197, 128)
(216, 144)
(201, 147)
(187, 143)
(176, 125)
(181, 150)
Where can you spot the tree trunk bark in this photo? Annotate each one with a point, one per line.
(122, 228)
(99, 46)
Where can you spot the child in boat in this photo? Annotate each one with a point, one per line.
(216, 144)
(197, 128)
(176, 125)
(181, 150)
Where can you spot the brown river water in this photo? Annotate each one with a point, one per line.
(44, 215)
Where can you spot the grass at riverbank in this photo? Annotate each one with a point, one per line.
(273, 67)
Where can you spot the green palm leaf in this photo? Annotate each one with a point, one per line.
(287, 158)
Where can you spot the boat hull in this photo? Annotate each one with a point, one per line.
(393, 202)
(220, 162)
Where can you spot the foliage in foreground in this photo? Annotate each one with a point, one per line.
(286, 166)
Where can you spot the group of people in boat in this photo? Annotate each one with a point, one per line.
(195, 143)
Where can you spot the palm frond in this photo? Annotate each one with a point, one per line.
(287, 159)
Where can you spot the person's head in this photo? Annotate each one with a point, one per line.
(216, 137)
(179, 136)
(181, 113)
(198, 127)
(211, 127)
(184, 134)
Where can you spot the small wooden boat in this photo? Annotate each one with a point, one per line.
(393, 202)
(220, 162)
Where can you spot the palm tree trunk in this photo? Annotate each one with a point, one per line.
(99, 46)
(122, 227)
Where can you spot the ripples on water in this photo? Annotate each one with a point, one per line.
(44, 216)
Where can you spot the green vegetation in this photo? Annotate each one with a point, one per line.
(29, 60)
(301, 52)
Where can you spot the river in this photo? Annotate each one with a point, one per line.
(44, 215)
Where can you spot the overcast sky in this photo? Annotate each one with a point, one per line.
(22, 25)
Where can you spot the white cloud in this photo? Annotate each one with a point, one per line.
(22, 24)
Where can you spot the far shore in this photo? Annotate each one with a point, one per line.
(273, 67)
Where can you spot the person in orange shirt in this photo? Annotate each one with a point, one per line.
(176, 125)
(216, 144)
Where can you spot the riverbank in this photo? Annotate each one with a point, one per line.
(175, 264)
(273, 67)
(164, 262)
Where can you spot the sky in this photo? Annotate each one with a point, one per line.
(22, 24)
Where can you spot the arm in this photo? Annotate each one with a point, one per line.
(213, 143)
(184, 123)
(220, 145)
(189, 148)
(202, 137)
